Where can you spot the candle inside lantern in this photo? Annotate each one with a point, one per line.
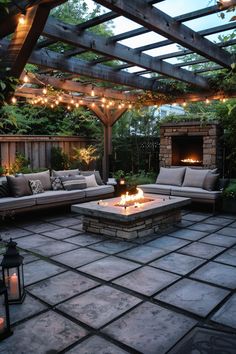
(2, 324)
(14, 289)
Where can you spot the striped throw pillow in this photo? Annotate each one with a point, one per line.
(73, 182)
(4, 190)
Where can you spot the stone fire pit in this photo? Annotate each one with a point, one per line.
(108, 218)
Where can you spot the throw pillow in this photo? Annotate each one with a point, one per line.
(73, 182)
(210, 181)
(97, 176)
(4, 190)
(91, 181)
(56, 183)
(44, 177)
(36, 186)
(65, 173)
(172, 176)
(18, 186)
(194, 177)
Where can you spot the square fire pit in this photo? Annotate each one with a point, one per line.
(106, 217)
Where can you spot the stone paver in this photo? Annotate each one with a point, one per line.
(43, 227)
(66, 222)
(202, 250)
(227, 313)
(147, 280)
(193, 296)
(143, 254)
(195, 217)
(42, 334)
(85, 239)
(217, 220)
(32, 241)
(228, 231)
(109, 268)
(29, 307)
(217, 273)
(188, 234)
(228, 257)
(61, 233)
(202, 226)
(168, 243)
(178, 263)
(98, 344)
(13, 232)
(219, 240)
(61, 287)
(52, 248)
(99, 306)
(150, 329)
(112, 246)
(78, 257)
(39, 270)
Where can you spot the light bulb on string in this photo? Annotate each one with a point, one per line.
(77, 105)
(103, 99)
(14, 100)
(22, 19)
(184, 104)
(92, 92)
(45, 91)
(72, 101)
(207, 101)
(26, 78)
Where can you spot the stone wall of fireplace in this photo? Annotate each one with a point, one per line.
(190, 144)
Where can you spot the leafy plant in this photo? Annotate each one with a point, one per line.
(118, 174)
(59, 159)
(230, 191)
(21, 164)
(140, 178)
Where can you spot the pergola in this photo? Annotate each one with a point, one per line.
(33, 38)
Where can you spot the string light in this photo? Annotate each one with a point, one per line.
(22, 19)
(69, 108)
(60, 98)
(103, 99)
(57, 102)
(93, 104)
(52, 106)
(224, 100)
(13, 100)
(174, 104)
(77, 105)
(184, 104)
(72, 101)
(26, 78)
(130, 106)
(207, 101)
(92, 92)
(45, 91)
(81, 101)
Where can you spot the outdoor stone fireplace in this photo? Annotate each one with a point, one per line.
(190, 144)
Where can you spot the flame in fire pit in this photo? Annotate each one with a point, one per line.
(135, 200)
(191, 161)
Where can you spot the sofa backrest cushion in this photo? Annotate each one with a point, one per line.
(73, 182)
(65, 173)
(4, 190)
(97, 176)
(36, 186)
(18, 186)
(210, 181)
(44, 177)
(194, 177)
(172, 176)
(91, 181)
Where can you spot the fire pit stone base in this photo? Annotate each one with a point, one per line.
(140, 228)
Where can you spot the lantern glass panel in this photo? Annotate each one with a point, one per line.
(13, 282)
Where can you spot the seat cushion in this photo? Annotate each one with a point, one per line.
(172, 176)
(100, 190)
(44, 177)
(156, 188)
(11, 203)
(51, 197)
(196, 193)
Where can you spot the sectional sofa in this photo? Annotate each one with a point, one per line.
(59, 188)
(201, 185)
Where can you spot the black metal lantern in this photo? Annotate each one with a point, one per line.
(12, 272)
(5, 330)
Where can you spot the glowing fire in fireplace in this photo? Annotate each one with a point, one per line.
(189, 160)
(135, 200)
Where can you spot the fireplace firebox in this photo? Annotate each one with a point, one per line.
(187, 150)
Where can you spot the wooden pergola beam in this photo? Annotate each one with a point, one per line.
(159, 22)
(67, 33)
(24, 40)
(73, 86)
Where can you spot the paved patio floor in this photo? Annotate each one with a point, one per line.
(87, 294)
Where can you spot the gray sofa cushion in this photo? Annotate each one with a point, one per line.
(156, 188)
(11, 203)
(63, 173)
(210, 181)
(194, 177)
(18, 186)
(97, 176)
(172, 176)
(44, 177)
(73, 182)
(100, 190)
(196, 193)
(51, 197)
(4, 189)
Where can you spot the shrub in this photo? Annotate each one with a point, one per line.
(59, 159)
(230, 191)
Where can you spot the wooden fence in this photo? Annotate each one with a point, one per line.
(37, 148)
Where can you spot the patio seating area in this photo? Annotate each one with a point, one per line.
(165, 293)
